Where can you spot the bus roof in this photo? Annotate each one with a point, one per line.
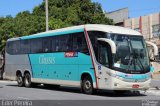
(80, 28)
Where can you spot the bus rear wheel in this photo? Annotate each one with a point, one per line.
(20, 80)
(87, 85)
(27, 80)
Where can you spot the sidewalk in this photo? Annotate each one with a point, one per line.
(7, 81)
(156, 76)
(153, 91)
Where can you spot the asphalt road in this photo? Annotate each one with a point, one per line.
(65, 95)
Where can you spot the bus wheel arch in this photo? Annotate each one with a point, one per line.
(27, 79)
(87, 83)
(19, 78)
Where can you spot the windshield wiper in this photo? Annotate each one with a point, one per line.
(133, 57)
(136, 57)
(132, 60)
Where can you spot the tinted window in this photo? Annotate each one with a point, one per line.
(61, 43)
(58, 43)
(68, 43)
(93, 35)
(25, 46)
(103, 54)
(53, 43)
(16, 47)
(79, 43)
(47, 45)
(13, 47)
(36, 45)
(9, 48)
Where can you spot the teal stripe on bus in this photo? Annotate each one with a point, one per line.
(52, 34)
(132, 76)
(58, 67)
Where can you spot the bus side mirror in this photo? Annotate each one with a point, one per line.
(110, 42)
(156, 58)
(154, 55)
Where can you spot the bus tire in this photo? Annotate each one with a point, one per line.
(27, 80)
(20, 80)
(87, 85)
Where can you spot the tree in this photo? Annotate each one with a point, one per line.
(62, 13)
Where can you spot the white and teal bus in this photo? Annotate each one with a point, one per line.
(87, 56)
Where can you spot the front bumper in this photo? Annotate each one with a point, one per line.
(118, 84)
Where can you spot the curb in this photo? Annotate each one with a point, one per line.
(7, 81)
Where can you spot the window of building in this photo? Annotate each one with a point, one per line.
(156, 30)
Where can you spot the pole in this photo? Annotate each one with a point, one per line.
(46, 2)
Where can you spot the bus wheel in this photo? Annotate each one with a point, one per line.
(20, 81)
(87, 85)
(27, 80)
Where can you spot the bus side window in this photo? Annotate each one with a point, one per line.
(66, 43)
(47, 45)
(9, 47)
(75, 43)
(103, 55)
(36, 45)
(25, 46)
(69, 43)
(53, 44)
(79, 43)
(16, 49)
(58, 44)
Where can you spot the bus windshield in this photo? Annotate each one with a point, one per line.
(131, 55)
(131, 52)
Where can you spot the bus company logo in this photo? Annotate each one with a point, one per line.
(46, 60)
(71, 54)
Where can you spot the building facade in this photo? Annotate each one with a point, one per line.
(118, 16)
(148, 25)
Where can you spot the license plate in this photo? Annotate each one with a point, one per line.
(135, 86)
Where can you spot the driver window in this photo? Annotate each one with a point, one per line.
(103, 55)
